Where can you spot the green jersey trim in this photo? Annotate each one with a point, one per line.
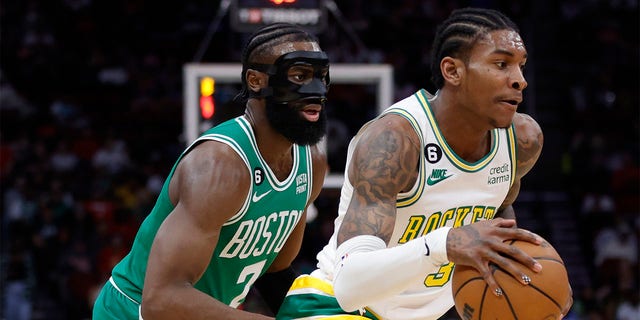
(513, 150)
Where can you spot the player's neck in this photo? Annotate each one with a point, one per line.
(274, 148)
(463, 135)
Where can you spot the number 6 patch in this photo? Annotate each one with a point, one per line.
(258, 176)
(432, 152)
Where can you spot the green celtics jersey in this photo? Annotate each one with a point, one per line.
(251, 239)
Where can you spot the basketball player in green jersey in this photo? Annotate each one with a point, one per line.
(232, 210)
(430, 183)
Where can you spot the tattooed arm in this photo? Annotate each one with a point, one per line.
(529, 143)
(383, 164)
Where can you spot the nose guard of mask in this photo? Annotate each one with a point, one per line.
(281, 90)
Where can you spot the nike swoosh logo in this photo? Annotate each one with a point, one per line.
(257, 197)
(436, 180)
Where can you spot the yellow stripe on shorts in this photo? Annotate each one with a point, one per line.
(311, 298)
(309, 284)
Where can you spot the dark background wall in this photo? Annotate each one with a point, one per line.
(90, 122)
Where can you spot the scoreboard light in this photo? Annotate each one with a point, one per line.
(207, 102)
(250, 15)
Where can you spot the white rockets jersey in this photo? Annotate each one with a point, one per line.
(448, 192)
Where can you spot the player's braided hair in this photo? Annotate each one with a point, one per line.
(458, 34)
(262, 41)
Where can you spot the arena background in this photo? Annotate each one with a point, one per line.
(90, 123)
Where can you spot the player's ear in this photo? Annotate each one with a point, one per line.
(256, 80)
(452, 70)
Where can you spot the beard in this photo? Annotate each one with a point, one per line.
(286, 120)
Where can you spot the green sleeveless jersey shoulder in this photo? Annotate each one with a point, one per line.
(251, 239)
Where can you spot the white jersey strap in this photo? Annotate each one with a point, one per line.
(368, 271)
(113, 283)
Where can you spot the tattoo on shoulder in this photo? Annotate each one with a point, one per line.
(529, 145)
(529, 148)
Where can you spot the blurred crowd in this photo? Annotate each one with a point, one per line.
(90, 122)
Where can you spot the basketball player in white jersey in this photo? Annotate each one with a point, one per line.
(430, 183)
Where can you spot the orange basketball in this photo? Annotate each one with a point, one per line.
(544, 298)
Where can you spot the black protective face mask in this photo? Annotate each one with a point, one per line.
(284, 99)
(281, 90)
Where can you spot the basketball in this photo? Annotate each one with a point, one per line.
(544, 298)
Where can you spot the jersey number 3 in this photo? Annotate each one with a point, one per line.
(441, 277)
